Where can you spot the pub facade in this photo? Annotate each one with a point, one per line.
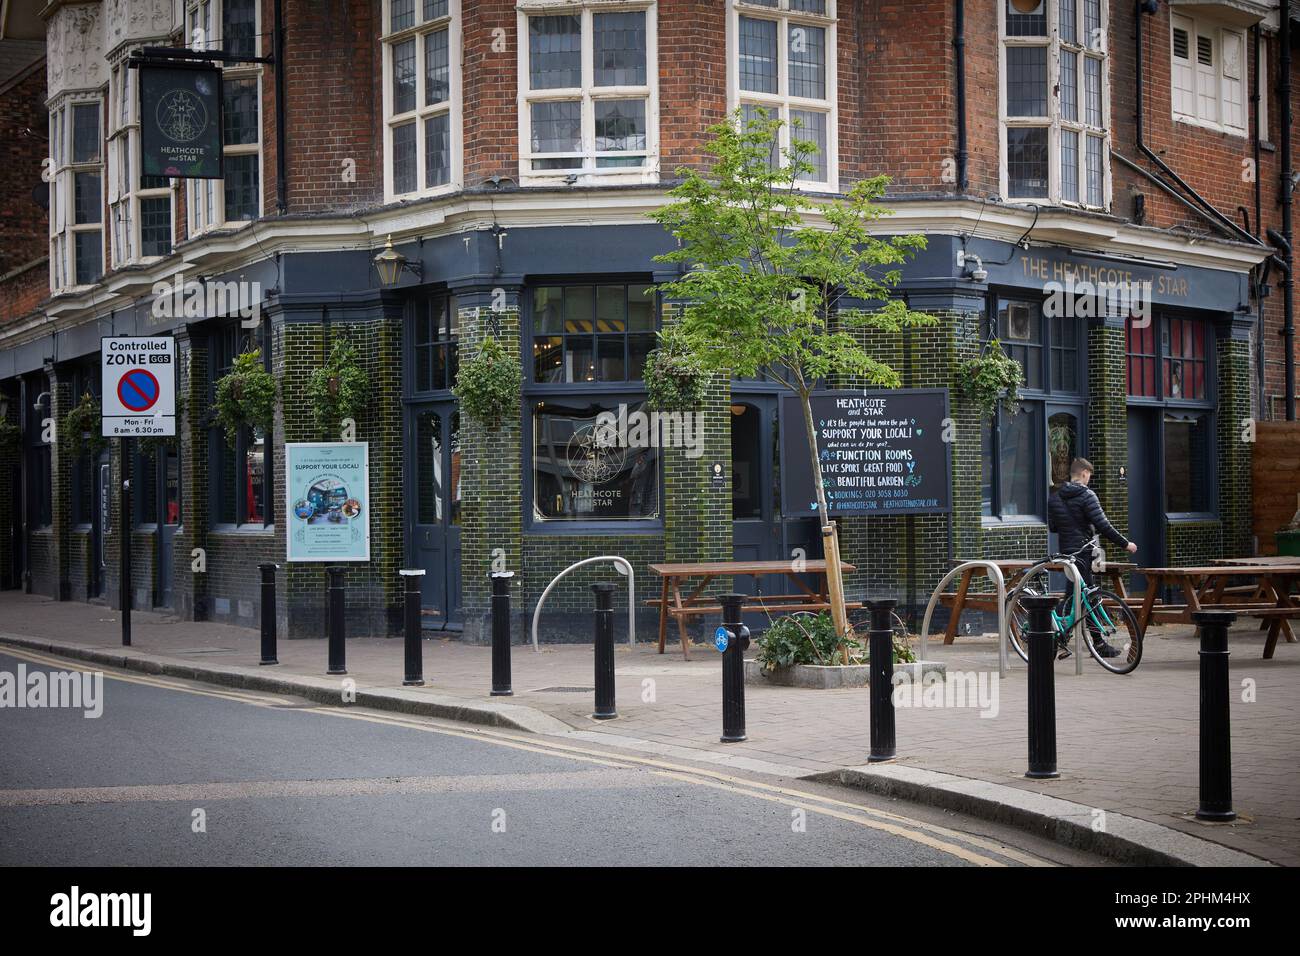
(519, 210)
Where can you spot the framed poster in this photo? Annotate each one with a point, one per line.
(180, 121)
(327, 506)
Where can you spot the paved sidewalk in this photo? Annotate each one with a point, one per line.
(1126, 745)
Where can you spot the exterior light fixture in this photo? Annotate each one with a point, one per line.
(390, 264)
(977, 272)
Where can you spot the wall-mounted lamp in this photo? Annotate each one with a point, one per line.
(978, 273)
(390, 264)
(42, 401)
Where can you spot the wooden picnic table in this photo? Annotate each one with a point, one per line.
(1012, 571)
(1205, 588)
(671, 603)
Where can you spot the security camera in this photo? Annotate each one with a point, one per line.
(42, 400)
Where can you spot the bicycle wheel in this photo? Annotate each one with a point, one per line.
(1018, 615)
(1112, 624)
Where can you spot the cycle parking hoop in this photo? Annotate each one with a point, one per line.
(1073, 575)
(995, 573)
(622, 565)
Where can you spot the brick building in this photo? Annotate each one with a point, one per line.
(512, 150)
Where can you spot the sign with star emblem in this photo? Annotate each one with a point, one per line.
(180, 120)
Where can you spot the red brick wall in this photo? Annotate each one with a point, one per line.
(24, 226)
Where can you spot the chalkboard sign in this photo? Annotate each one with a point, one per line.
(881, 452)
(180, 121)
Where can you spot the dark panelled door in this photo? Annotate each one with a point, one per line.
(433, 500)
(1145, 491)
(759, 531)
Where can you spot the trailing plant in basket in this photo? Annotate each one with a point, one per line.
(488, 384)
(675, 379)
(245, 396)
(991, 379)
(81, 429)
(339, 389)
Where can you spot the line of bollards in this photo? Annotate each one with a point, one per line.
(880, 648)
(1216, 730)
(604, 651)
(335, 621)
(1042, 687)
(732, 638)
(501, 633)
(268, 613)
(414, 672)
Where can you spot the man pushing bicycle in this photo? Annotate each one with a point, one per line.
(1074, 512)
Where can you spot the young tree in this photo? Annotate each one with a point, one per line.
(769, 266)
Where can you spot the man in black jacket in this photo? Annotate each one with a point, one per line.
(1075, 514)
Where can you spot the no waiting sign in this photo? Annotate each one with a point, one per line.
(138, 386)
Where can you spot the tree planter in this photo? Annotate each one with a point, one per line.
(820, 677)
(1288, 542)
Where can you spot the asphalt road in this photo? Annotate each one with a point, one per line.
(178, 773)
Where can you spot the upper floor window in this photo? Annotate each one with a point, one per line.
(783, 62)
(76, 194)
(1209, 74)
(422, 121)
(584, 333)
(588, 87)
(230, 26)
(1055, 101)
(140, 207)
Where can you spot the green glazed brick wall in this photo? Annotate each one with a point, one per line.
(189, 592)
(1191, 543)
(1108, 425)
(491, 478)
(1236, 505)
(10, 458)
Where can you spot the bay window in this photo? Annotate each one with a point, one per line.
(588, 89)
(230, 26)
(140, 207)
(782, 62)
(422, 121)
(1055, 101)
(1209, 74)
(76, 195)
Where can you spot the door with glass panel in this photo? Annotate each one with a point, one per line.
(435, 523)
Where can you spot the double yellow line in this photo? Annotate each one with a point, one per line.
(963, 846)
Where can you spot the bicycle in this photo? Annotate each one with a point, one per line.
(1109, 620)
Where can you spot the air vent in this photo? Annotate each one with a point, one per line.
(1205, 50)
(1180, 44)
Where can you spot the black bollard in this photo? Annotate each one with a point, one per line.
(411, 621)
(501, 633)
(337, 647)
(604, 651)
(1042, 687)
(733, 668)
(1216, 735)
(881, 649)
(268, 613)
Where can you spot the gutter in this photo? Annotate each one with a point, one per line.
(1288, 284)
(959, 67)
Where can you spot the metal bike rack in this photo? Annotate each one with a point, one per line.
(996, 574)
(622, 566)
(1073, 575)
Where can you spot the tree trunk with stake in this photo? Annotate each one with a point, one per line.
(830, 536)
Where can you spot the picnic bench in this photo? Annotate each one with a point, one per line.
(1206, 588)
(671, 603)
(1012, 571)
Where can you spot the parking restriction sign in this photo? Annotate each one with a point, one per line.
(138, 386)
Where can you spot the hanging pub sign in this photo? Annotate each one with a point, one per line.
(885, 451)
(180, 120)
(327, 507)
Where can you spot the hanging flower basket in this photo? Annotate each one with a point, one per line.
(992, 379)
(675, 380)
(488, 384)
(81, 429)
(245, 396)
(339, 389)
